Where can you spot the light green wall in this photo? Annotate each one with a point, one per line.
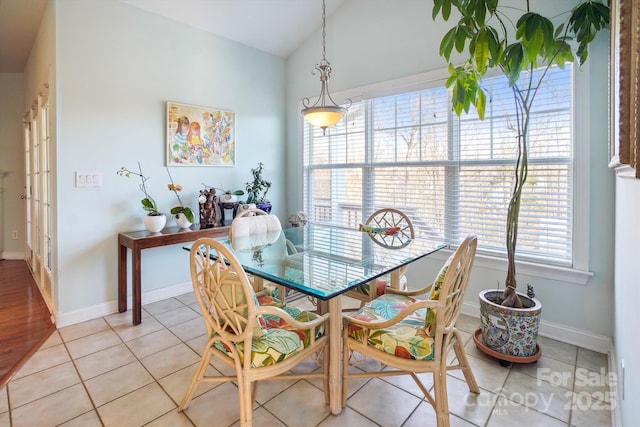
(116, 67)
(374, 41)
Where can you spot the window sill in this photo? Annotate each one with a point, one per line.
(532, 269)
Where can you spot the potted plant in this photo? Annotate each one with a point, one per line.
(155, 220)
(486, 30)
(258, 188)
(182, 214)
(229, 196)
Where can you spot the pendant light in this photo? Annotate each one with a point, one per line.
(321, 114)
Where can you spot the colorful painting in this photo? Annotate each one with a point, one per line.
(199, 136)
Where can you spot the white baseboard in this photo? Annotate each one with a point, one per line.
(111, 307)
(12, 255)
(584, 339)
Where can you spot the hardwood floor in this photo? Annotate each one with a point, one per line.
(25, 321)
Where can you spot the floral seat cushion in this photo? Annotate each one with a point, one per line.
(278, 341)
(382, 283)
(408, 338)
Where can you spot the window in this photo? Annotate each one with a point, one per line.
(451, 175)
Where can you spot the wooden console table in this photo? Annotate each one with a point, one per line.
(139, 240)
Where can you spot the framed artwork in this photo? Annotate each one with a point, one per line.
(624, 128)
(200, 136)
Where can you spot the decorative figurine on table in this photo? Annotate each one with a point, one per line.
(207, 200)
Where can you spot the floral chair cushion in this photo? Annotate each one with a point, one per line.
(382, 283)
(430, 319)
(407, 338)
(225, 298)
(279, 340)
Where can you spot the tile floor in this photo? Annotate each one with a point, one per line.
(105, 372)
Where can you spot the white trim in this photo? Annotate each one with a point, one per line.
(528, 268)
(111, 307)
(615, 389)
(567, 334)
(12, 255)
(581, 128)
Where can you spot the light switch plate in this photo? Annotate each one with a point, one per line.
(88, 179)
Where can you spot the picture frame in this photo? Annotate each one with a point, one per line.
(624, 131)
(199, 136)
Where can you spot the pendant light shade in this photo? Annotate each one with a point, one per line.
(322, 114)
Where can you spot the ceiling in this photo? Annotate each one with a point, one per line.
(274, 26)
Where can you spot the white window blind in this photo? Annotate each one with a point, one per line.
(451, 175)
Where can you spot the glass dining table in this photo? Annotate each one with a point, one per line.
(324, 262)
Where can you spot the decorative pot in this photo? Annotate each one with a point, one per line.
(155, 223)
(245, 207)
(507, 330)
(228, 198)
(265, 206)
(181, 220)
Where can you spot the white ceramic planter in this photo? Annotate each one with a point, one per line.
(182, 221)
(510, 331)
(155, 223)
(228, 198)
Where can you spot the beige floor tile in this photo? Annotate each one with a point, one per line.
(406, 383)
(220, 404)
(548, 369)
(114, 384)
(79, 330)
(92, 343)
(539, 395)
(103, 361)
(137, 408)
(170, 360)
(267, 390)
(590, 413)
(4, 419)
(349, 417)
(558, 350)
(592, 360)
(152, 343)
(468, 324)
(53, 340)
(187, 299)
(425, 415)
(162, 306)
(300, 398)
(383, 403)
(468, 406)
(176, 384)
(4, 401)
(509, 414)
(53, 409)
(171, 419)
(262, 418)
(177, 316)
(128, 332)
(189, 330)
(88, 419)
(197, 344)
(27, 389)
(124, 318)
(489, 375)
(44, 359)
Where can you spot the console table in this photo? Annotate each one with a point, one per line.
(139, 240)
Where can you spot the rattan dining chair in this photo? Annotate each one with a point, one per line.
(411, 336)
(386, 218)
(260, 338)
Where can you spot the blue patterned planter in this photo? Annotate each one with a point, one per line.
(510, 331)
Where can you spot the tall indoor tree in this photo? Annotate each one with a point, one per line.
(487, 34)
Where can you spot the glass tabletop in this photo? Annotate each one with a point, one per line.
(325, 261)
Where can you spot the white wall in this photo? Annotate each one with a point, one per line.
(11, 165)
(376, 40)
(627, 315)
(115, 68)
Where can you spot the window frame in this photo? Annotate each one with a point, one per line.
(579, 272)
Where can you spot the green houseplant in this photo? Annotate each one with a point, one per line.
(155, 220)
(182, 214)
(492, 39)
(257, 189)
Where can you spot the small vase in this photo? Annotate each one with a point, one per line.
(181, 220)
(228, 198)
(155, 223)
